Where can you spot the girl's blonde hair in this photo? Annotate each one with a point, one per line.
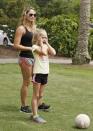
(23, 20)
(37, 33)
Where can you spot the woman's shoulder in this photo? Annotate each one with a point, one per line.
(21, 29)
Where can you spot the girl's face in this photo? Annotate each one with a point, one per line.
(45, 40)
(42, 39)
(31, 15)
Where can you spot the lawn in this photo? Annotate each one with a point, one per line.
(69, 92)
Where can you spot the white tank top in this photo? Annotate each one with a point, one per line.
(41, 64)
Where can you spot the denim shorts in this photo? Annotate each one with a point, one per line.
(27, 61)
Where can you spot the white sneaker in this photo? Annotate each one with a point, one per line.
(39, 119)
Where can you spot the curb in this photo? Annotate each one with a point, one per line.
(51, 60)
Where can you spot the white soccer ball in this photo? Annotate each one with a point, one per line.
(82, 121)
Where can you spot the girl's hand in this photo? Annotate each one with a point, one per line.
(41, 42)
(45, 40)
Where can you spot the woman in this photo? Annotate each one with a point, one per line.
(23, 42)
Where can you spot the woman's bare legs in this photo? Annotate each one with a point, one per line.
(27, 76)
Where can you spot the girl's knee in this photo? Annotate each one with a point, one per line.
(37, 96)
(40, 96)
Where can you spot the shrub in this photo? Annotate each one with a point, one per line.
(62, 33)
(91, 43)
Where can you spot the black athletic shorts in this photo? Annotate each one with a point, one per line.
(40, 78)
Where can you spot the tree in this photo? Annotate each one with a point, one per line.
(82, 55)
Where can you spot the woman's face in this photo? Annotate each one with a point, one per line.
(31, 15)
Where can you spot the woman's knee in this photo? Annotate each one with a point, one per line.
(26, 82)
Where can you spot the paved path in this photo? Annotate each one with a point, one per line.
(52, 60)
(8, 60)
(60, 60)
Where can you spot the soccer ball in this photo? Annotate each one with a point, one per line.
(82, 121)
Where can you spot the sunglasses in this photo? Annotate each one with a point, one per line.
(30, 15)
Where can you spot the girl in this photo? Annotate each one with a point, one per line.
(41, 49)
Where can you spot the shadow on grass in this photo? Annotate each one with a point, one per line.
(11, 113)
(74, 127)
(8, 108)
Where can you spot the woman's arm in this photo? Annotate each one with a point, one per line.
(41, 50)
(18, 35)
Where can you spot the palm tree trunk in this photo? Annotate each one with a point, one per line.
(82, 56)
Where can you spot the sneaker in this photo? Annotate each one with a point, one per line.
(39, 119)
(25, 109)
(43, 106)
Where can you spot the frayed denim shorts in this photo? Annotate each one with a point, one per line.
(27, 61)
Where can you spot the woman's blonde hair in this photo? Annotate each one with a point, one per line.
(23, 20)
(37, 33)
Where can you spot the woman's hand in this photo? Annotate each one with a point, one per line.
(30, 48)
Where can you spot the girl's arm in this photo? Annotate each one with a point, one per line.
(18, 35)
(51, 50)
(41, 50)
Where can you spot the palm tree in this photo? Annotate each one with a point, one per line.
(82, 56)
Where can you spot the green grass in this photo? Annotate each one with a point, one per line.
(69, 92)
